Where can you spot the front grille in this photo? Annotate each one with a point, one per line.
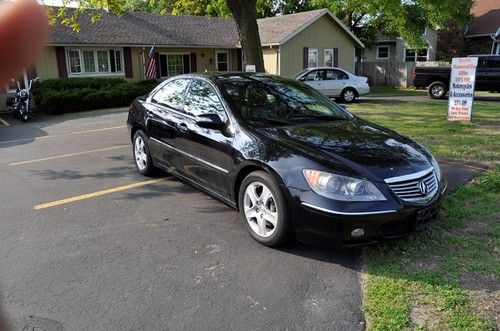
(417, 188)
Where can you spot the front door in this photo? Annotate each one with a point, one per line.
(206, 152)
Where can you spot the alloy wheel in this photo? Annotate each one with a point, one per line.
(437, 91)
(260, 209)
(349, 95)
(141, 158)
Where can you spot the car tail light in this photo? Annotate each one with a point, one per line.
(414, 74)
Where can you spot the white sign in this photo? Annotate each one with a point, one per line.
(250, 68)
(462, 83)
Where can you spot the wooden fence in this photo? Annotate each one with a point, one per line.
(398, 74)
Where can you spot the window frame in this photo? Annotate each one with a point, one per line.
(96, 71)
(388, 52)
(217, 62)
(415, 55)
(312, 50)
(324, 57)
(173, 53)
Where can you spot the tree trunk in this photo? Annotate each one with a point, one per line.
(244, 14)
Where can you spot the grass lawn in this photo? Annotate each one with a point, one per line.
(446, 276)
(385, 91)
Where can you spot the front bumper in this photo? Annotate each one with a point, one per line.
(327, 226)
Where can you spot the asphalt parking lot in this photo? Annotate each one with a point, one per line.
(86, 242)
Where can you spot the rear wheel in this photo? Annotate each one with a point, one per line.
(142, 156)
(264, 209)
(348, 95)
(437, 90)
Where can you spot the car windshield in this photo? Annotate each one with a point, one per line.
(273, 101)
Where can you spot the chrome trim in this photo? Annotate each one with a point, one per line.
(330, 211)
(408, 177)
(211, 165)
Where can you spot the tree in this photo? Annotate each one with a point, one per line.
(244, 14)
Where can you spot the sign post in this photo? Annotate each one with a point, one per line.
(462, 84)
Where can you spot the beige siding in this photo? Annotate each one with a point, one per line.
(205, 57)
(322, 34)
(46, 67)
(271, 59)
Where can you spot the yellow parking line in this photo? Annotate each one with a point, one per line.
(63, 134)
(67, 155)
(97, 194)
(4, 122)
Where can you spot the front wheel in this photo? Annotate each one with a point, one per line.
(264, 209)
(23, 112)
(348, 95)
(437, 90)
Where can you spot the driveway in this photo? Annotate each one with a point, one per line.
(86, 242)
(157, 255)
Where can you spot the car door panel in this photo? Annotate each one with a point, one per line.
(205, 152)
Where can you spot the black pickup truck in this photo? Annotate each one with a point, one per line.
(437, 79)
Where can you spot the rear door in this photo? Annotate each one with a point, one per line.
(163, 117)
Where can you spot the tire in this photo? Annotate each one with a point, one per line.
(348, 95)
(437, 90)
(142, 156)
(268, 221)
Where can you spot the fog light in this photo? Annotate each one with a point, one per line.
(356, 233)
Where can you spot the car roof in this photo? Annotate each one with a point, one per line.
(218, 75)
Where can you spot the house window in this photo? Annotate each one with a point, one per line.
(416, 55)
(382, 52)
(328, 58)
(174, 64)
(312, 59)
(222, 61)
(95, 61)
(75, 66)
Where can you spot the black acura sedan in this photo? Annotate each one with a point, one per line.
(293, 162)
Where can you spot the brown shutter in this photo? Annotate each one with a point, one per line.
(61, 62)
(335, 57)
(127, 58)
(240, 59)
(31, 71)
(305, 58)
(194, 66)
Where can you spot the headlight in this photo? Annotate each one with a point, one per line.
(436, 167)
(342, 188)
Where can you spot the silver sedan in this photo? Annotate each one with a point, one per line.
(335, 82)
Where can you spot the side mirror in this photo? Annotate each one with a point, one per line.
(210, 121)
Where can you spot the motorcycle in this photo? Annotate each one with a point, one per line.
(21, 101)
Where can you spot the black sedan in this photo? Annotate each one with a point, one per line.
(293, 162)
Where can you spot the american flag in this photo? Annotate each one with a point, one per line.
(151, 72)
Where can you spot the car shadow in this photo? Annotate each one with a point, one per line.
(19, 133)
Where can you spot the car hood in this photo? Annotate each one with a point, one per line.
(366, 148)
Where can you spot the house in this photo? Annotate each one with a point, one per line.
(483, 35)
(117, 46)
(392, 49)
(291, 43)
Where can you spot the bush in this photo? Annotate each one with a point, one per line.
(57, 96)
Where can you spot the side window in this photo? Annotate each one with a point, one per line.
(171, 94)
(336, 75)
(201, 99)
(314, 75)
(341, 74)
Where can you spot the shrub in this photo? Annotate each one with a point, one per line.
(57, 96)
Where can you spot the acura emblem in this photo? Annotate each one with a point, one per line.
(422, 187)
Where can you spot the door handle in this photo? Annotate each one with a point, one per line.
(182, 127)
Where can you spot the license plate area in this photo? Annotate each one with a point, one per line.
(426, 216)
